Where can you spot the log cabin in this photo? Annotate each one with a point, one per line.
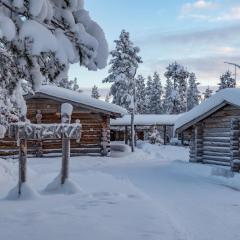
(214, 129)
(144, 123)
(45, 107)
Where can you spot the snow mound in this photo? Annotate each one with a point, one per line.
(69, 187)
(119, 150)
(222, 172)
(118, 147)
(27, 193)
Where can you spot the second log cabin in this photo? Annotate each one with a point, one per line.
(214, 129)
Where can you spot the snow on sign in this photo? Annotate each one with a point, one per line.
(23, 132)
(30, 131)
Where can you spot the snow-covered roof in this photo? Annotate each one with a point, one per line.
(146, 120)
(79, 98)
(212, 104)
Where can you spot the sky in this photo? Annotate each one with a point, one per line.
(201, 35)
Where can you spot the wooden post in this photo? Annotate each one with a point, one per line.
(106, 137)
(126, 135)
(234, 145)
(39, 144)
(164, 134)
(22, 164)
(66, 111)
(135, 135)
(132, 131)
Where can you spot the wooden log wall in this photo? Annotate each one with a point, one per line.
(50, 111)
(220, 138)
(234, 144)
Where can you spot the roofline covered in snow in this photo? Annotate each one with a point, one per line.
(146, 120)
(208, 107)
(200, 118)
(119, 112)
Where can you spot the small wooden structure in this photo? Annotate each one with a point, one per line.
(45, 108)
(214, 129)
(144, 123)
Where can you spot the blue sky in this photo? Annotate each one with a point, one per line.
(199, 34)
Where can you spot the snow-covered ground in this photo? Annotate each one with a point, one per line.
(152, 194)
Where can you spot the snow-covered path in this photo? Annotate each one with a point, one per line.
(149, 195)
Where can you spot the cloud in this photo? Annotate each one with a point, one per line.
(198, 5)
(206, 11)
(232, 14)
(226, 35)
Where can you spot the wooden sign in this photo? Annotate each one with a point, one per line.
(23, 132)
(29, 131)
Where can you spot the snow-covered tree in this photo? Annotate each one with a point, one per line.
(154, 95)
(155, 137)
(95, 93)
(168, 98)
(69, 84)
(208, 93)
(178, 75)
(12, 104)
(124, 65)
(193, 94)
(148, 93)
(227, 81)
(43, 37)
(140, 95)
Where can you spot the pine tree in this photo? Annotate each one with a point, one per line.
(168, 99)
(148, 92)
(95, 93)
(208, 93)
(193, 94)
(156, 106)
(178, 75)
(140, 95)
(42, 38)
(124, 65)
(227, 81)
(69, 84)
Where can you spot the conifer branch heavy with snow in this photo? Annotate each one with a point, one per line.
(43, 37)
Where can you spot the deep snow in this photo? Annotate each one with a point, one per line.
(151, 194)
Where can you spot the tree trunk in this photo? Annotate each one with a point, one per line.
(132, 132)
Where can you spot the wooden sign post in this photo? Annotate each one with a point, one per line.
(23, 132)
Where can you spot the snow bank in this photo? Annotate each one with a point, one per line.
(27, 193)
(118, 147)
(80, 98)
(147, 120)
(229, 95)
(69, 187)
